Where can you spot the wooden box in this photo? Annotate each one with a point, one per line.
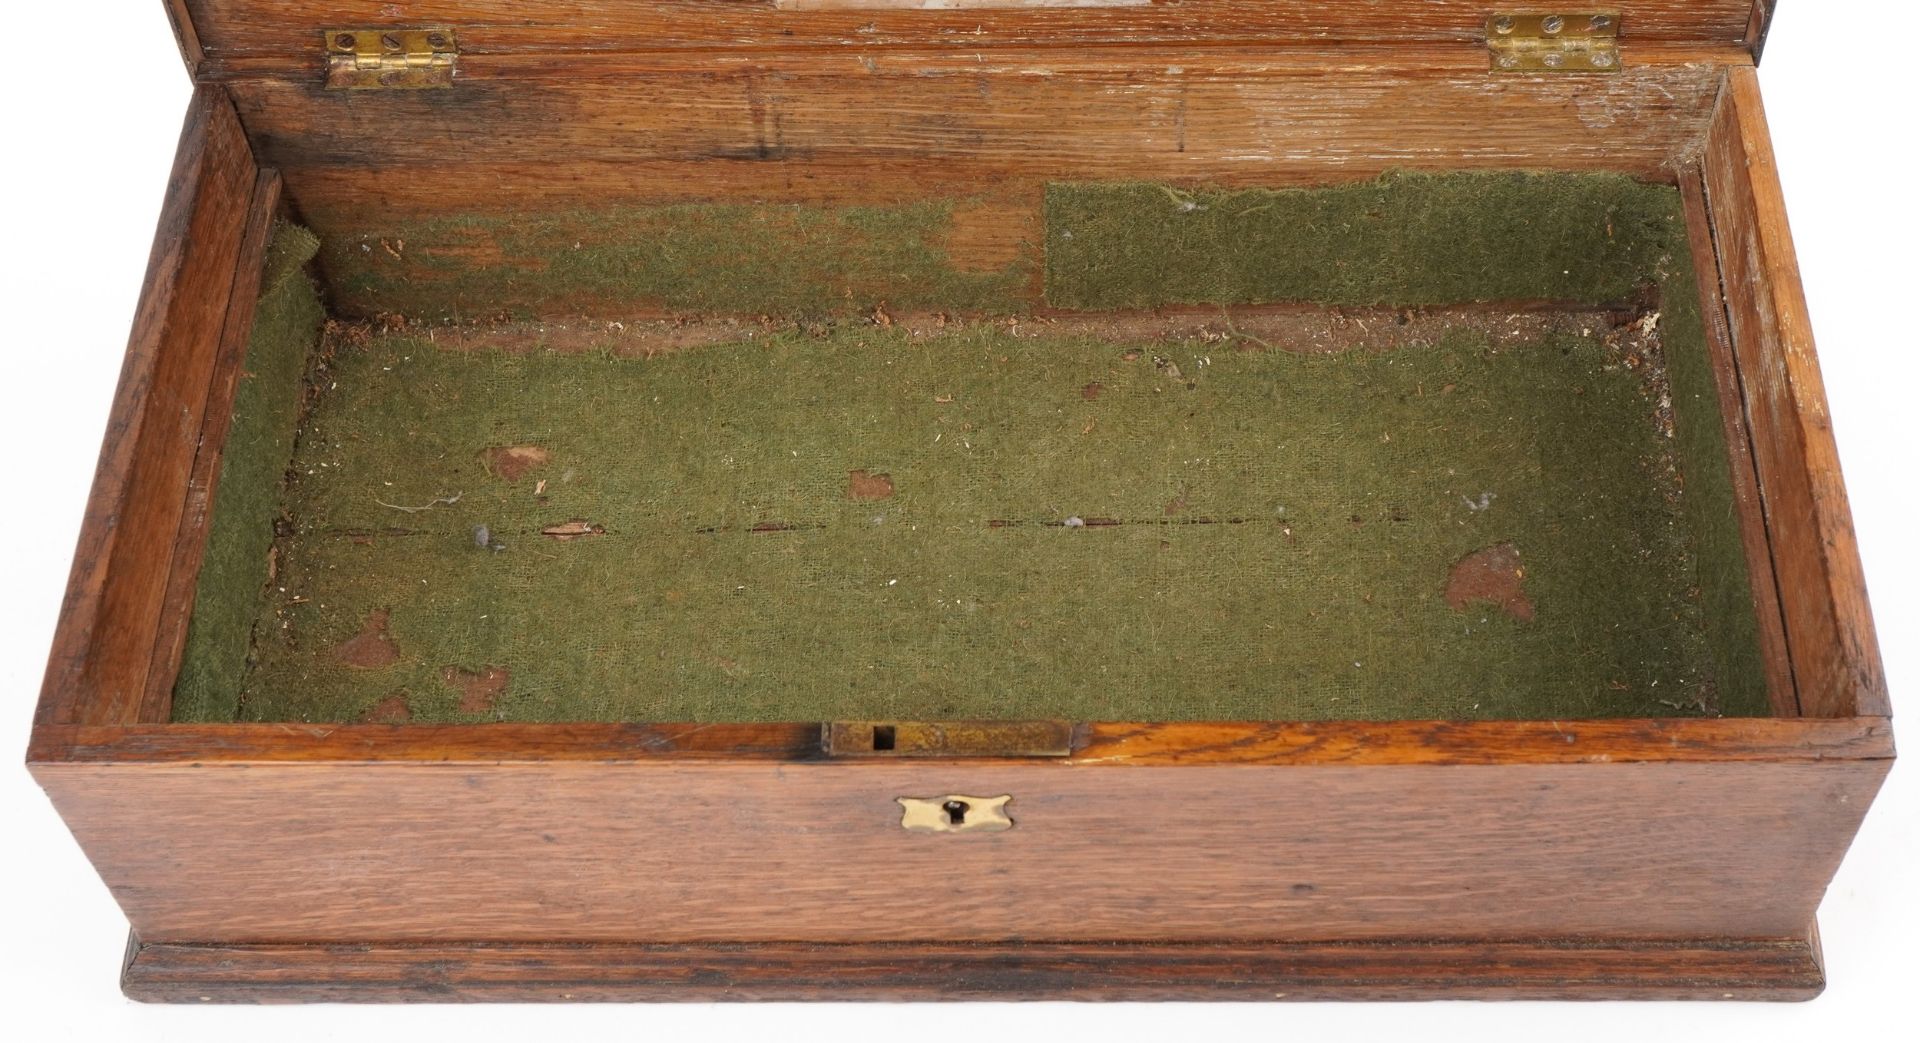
(531, 179)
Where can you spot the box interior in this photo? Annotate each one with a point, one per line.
(1430, 446)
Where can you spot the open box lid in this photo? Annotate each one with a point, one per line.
(226, 39)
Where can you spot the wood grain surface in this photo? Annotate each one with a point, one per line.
(103, 647)
(1759, 26)
(1829, 627)
(1207, 860)
(1034, 113)
(515, 138)
(270, 27)
(1777, 969)
(1748, 510)
(190, 546)
(732, 850)
(185, 36)
(1270, 743)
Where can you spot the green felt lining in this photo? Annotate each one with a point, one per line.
(713, 258)
(1400, 240)
(1287, 522)
(1707, 495)
(247, 499)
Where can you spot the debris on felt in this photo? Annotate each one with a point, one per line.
(838, 542)
(911, 514)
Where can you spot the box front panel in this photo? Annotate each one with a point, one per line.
(766, 851)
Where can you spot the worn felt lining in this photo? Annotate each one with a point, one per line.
(1707, 498)
(229, 596)
(852, 521)
(1404, 239)
(792, 260)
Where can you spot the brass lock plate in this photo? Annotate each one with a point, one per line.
(947, 739)
(955, 813)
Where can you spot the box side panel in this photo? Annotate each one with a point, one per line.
(184, 35)
(1759, 26)
(263, 28)
(1829, 627)
(716, 851)
(1731, 507)
(190, 549)
(116, 596)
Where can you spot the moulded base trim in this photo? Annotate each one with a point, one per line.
(1737, 969)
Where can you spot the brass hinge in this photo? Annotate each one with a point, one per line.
(390, 59)
(1584, 42)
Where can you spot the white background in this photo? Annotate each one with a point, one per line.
(89, 134)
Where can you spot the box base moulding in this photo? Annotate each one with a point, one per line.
(1562, 968)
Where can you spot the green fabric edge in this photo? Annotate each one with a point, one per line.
(1585, 239)
(1707, 499)
(229, 592)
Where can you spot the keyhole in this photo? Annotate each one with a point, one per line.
(956, 812)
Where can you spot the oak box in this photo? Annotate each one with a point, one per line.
(989, 499)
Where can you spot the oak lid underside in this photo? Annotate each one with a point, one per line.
(215, 31)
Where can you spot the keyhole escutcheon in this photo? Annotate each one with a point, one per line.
(954, 813)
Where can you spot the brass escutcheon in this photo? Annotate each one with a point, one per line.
(955, 813)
